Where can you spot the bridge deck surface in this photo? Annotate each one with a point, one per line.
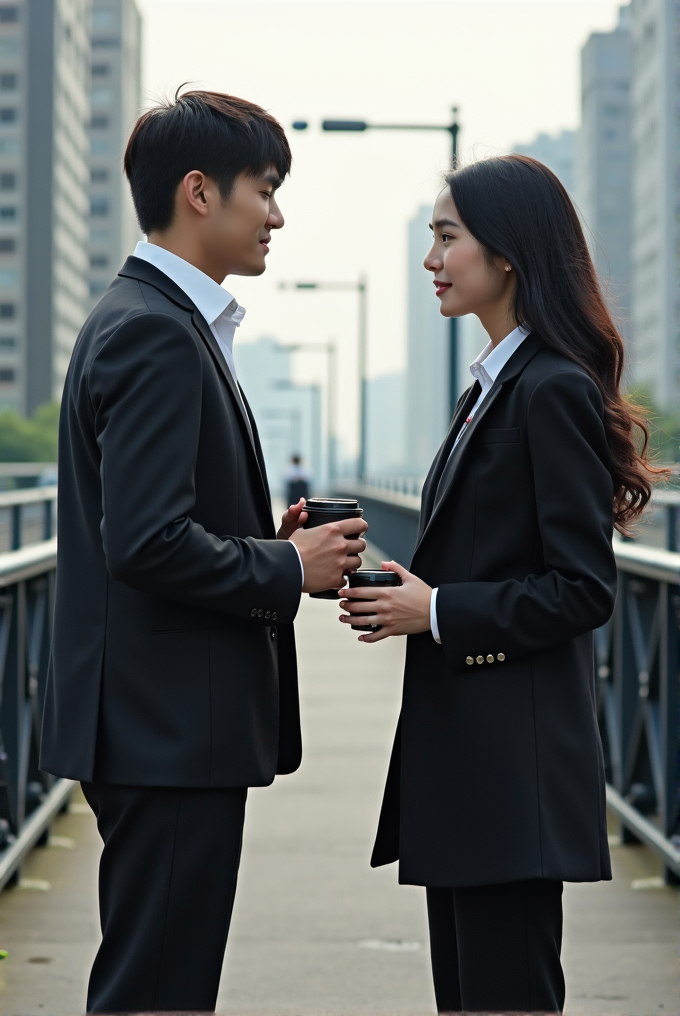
(315, 930)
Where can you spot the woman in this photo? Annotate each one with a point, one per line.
(495, 792)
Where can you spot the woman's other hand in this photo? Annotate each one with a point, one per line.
(400, 610)
(292, 520)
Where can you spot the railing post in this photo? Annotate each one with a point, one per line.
(16, 526)
(671, 527)
(48, 517)
(668, 714)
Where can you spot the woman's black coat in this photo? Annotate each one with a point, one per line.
(497, 771)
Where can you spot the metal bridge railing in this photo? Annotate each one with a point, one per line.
(638, 669)
(29, 799)
(27, 516)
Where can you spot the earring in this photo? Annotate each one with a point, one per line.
(508, 268)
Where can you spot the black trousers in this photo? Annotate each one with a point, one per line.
(496, 948)
(167, 881)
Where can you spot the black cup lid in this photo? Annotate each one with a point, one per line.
(331, 504)
(373, 577)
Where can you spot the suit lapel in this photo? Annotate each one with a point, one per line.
(213, 345)
(456, 457)
(439, 492)
(461, 412)
(211, 342)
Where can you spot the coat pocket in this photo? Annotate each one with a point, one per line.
(500, 435)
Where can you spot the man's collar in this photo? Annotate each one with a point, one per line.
(209, 298)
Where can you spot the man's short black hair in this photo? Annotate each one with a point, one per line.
(217, 134)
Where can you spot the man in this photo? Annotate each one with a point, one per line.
(173, 683)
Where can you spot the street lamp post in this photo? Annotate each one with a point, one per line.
(360, 287)
(355, 126)
(329, 348)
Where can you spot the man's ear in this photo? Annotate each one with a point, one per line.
(193, 188)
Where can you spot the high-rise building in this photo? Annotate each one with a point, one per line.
(604, 159)
(557, 152)
(655, 248)
(386, 428)
(44, 106)
(427, 381)
(288, 415)
(115, 97)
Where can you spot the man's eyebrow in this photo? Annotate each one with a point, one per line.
(274, 179)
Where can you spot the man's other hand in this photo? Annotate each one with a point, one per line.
(292, 520)
(329, 552)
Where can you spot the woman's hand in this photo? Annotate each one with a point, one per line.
(292, 520)
(400, 610)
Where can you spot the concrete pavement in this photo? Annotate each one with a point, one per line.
(315, 930)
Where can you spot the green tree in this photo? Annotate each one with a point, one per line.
(29, 439)
(664, 428)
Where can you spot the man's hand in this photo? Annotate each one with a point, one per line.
(401, 610)
(292, 520)
(329, 552)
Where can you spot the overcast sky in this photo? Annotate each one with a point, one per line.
(512, 66)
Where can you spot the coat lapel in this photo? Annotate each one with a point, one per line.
(137, 268)
(249, 427)
(457, 456)
(439, 492)
(462, 410)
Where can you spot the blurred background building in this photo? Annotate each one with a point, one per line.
(604, 161)
(427, 384)
(69, 89)
(289, 415)
(655, 252)
(44, 112)
(115, 101)
(557, 152)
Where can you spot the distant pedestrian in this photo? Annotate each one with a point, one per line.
(496, 790)
(297, 481)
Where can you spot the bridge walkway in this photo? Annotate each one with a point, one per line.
(315, 930)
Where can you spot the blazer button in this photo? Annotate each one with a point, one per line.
(501, 657)
(253, 612)
(274, 615)
(260, 613)
(274, 633)
(469, 661)
(480, 659)
(489, 659)
(268, 614)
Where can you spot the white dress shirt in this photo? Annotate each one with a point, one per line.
(484, 369)
(220, 309)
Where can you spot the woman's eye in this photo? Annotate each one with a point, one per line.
(446, 236)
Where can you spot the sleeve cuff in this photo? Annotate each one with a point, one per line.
(433, 616)
(302, 567)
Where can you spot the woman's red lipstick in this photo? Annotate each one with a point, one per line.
(441, 286)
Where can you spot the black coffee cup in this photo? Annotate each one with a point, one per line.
(322, 510)
(375, 579)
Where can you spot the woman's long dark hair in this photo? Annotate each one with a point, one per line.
(516, 207)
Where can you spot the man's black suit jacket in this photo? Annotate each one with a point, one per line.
(497, 772)
(173, 658)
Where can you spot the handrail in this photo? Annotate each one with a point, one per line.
(29, 798)
(27, 495)
(26, 563)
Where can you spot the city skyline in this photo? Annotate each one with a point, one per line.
(349, 198)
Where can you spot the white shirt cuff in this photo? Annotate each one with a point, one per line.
(433, 616)
(302, 567)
